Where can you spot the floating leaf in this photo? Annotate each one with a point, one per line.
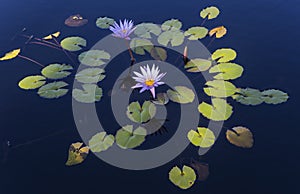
(139, 46)
(129, 138)
(172, 24)
(144, 30)
(49, 37)
(174, 37)
(203, 137)
(220, 110)
(224, 55)
(101, 142)
(94, 57)
(11, 55)
(90, 93)
(32, 82)
(158, 53)
(56, 71)
(240, 136)
(90, 75)
(202, 170)
(161, 99)
(181, 94)
(227, 71)
(104, 22)
(274, 96)
(198, 65)
(210, 12)
(218, 31)
(155, 126)
(53, 90)
(74, 43)
(139, 114)
(184, 178)
(248, 96)
(196, 33)
(75, 21)
(77, 154)
(219, 88)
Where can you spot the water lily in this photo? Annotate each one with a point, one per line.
(148, 79)
(122, 30)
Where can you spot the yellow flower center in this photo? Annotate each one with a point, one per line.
(149, 82)
(124, 31)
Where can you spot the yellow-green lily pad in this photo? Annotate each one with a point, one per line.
(196, 33)
(219, 88)
(184, 178)
(172, 24)
(198, 65)
(174, 37)
(57, 71)
(224, 55)
(94, 57)
(181, 94)
(91, 93)
(144, 30)
(203, 137)
(74, 43)
(227, 71)
(219, 110)
(127, 138)
(53, 90)
(90, 75)
(32, 82)
(210, 12)
(141, 114)
(101, 142)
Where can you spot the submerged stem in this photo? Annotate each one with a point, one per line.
(130, 52)
(26, 58)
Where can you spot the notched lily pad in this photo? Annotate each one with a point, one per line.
(198, 65)
(139, 46)
(181, 94)
(174, 37)
(77, 154)
(74, 43)
(210, 12)
(57, 71)
(53, 90)
(240, 136)
(219, 88)
(158, 53)
(127, 138)
(220, 110)
(104, 22)
(227, 71)
(172, 24)
(144, 30)
(184, 178)
(273, 96)
(248, 96)
(141, 114)
(91, 93)
(94, 57)
(203, 137)
(196, 33)
(32, 82)
(219, 32)
(101, 142)
(224, 55)
(90, 75)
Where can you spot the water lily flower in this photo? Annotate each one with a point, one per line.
(122, 30)
(148, 79)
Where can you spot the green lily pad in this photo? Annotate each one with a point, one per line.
(197, 65)
(227, 71)
(161, 99)
(219, 88)
(224, 55)
(158, 53)
(181, 94)
(127, 138)
(273, 96)
(56, 71)
(220, 110)
(101, 142)
(210, 12)
(139, 46)
(196, 33)
(184, 178)
(74, 43)
(144, 30)
(53, 90)
(174, 37)
(104, 22)
(172, 24)
(32, 82)
(90, 75)
(203, 137)
(94, 57)
(248, 96)
(91, 93)
(139, 114)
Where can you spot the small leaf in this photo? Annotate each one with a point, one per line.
(53, 90)
(172, 24)
(202, 169)
(101, 142)
(32, 82)
(144, 30)
(273, 96)
(94, 57)
(248, 96)
(175, 38)
(91, 93)
(77, 154)
(220, 110)
(198, 65)
(49, 37)
(227, 71)
(181, 94)
(127, 138)
(203, 137)
(139, 114)
(210, 12)
(218, 31)
(219, 88)
(184, 178)
(224, 55)
(139, 46)
(196, 33)
(240, 136)
(161, 99)
(158, 53)
(11, 55)
(104, 22)
(56, 71)
(90, 75)
(74, 43)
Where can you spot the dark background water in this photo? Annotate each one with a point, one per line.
(265, 34)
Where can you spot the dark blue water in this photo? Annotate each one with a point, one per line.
(266, 36)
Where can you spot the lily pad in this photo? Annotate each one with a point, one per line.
(144, 30)
(74, 43)
(139, 46)
(197, 65)
(172, 24)
(210, 12)
(240, 136)
(56, 71)
(202, 169)
(161, 99)
(91, 93)
(219, 88)
(248, 96)
(224, 55)
(158, 53)
(227, 71)
(196, 33)
(175, 38)
(203, 137)
(127, 138)
(181, 94)
(139, 114)
(218, 31)
(220, 110)
(94, 57)
(90, 75)
(273, 96)
(53, 90)
(77, 154)
(104, 22)
(32, 82)
(101, 142)
(184, 178)
(11, 55)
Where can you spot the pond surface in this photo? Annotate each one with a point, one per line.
(265, 35)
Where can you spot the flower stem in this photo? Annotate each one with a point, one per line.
(44, 44)
(26, 58)
(130, 52)
(71, 59)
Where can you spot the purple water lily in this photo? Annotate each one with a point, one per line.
(148, 79)
(122, 30)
